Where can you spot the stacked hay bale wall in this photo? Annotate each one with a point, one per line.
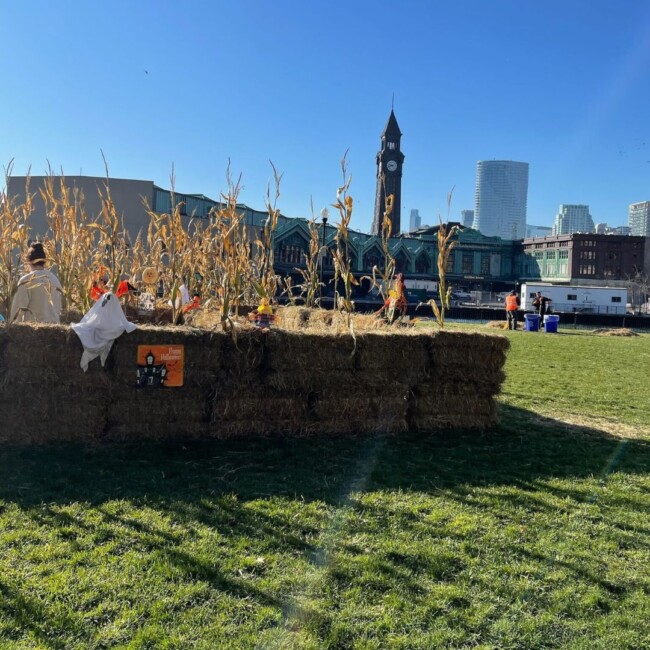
(280, 383)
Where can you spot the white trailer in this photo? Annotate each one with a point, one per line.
(565, 298)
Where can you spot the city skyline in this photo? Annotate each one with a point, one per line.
(562, 90)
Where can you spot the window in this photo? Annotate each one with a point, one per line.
(450, 263)
(587, 269)
(550, 255)
(616, 299)
(468, 263)
(291, 251)
(485, 265)
(550, 244)
(564, 244)
(371, 259)
(422, 263)
(539, 245)
(563, 255)
(391, 145)
(572, 296)
(401, 263)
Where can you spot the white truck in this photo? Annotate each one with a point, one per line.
(565, 298)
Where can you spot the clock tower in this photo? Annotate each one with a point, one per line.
(389, 176)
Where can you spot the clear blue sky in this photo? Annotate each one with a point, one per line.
(562, 85)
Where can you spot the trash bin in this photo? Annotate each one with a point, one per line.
(531, 322)
(550, 323)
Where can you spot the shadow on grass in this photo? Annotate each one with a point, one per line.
(523, 448)
(233, 487)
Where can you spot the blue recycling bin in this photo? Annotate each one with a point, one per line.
(531, 322)
(550, 323)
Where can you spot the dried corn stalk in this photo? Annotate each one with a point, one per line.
(14, 234)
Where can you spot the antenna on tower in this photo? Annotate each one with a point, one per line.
(392, 101)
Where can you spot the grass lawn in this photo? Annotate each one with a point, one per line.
(532, 535)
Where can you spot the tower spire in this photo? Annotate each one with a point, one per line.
(389, 174)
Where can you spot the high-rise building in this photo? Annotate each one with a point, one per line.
(501, 198)
(415, 220)
(638, 218)
(389, 176)
(467, 218)
(573, 218)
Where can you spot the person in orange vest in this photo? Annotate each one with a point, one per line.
(512, 305)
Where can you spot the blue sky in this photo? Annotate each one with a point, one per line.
(561, 85)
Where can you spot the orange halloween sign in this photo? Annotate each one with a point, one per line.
(160, 366)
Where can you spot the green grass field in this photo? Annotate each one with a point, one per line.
(533, 535)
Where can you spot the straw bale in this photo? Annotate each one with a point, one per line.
(437, 421)
(482, 382)
(279, 382)
(394, 360)
(51, 414)
(497, 324)
(306, 352)
(35, 378)
(621, 331)
(461, 354)
(293, 318)
(155, 431)
(258, 408)
(380, 413)
(463, 405)
(40, 345)
(346, 405)
(148, 408)
(305, 428)
(339, 382)
(255, 428)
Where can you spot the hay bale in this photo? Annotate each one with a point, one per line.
(156, 406)
(280, 382)
(133, 431)
(257, 408)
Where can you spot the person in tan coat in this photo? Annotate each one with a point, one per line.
(38, 296)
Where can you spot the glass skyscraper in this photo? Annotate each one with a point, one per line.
(639, 219)
(501, 198)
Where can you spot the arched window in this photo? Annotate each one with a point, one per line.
(422, 263)
(373, 257)
(291, 250)
(401, 263)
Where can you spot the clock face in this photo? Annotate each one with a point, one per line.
(391, 165)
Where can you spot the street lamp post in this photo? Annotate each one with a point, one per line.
(324, 213)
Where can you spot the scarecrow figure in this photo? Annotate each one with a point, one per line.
(263, 317)
(396, 301)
